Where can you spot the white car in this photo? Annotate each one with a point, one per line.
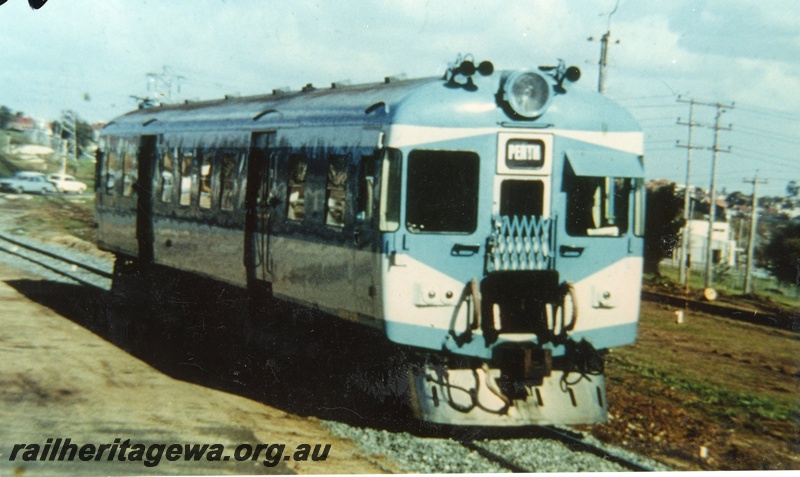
(66, 184)
(31, 182)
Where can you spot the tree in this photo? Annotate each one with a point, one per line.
(792, 189)
(663, 222)
(84, 136)
(783, 253)
(5, 117)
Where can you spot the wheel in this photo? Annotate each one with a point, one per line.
(19, 190)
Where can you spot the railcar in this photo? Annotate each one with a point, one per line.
(490, 221)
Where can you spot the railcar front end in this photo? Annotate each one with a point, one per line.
(513, 249)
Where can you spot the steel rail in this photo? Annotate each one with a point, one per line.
(496, 458)
(780, 320)
(38, 253)
(573, 441)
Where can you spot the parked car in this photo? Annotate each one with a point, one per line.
(32, 182)
(66, 184)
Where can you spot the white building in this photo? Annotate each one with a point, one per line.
(723, 247)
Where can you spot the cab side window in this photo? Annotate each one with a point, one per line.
(597, 206)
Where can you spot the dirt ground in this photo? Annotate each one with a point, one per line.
(58, 379)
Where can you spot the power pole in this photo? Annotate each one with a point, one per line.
(709, 276)
(601, 77)
(603, 62)
(686, 217)
(751, 243)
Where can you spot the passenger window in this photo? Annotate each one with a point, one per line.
(335, 194)
(111, 159)
(167, 176)
(366, 189)
(205, 180)
(523, 198)
(128, 173)
(597, 206)
(186, 178)
(227, 181)
(298, 168)
(442, 192)
(391, 181)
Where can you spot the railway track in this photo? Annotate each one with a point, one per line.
(72, 269)
(574, 441)
(773, 319)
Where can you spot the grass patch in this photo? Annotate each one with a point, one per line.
(717, 401)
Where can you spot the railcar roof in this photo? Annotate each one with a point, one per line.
(424, 102)
(348, 104)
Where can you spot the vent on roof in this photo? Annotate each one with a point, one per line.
(264, 113)
(308, 87)
(339, 84)
(394, 79)
(375, 107)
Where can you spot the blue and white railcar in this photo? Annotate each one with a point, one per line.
(489, 220)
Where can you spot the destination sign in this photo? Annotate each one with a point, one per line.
(524, 154)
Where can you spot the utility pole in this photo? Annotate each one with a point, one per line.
(684, 278)
(603, 62)
(751, 243)
(709, 276)
(601, 77)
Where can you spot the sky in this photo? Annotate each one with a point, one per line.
(94, 56)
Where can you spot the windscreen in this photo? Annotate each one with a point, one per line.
(442, 194)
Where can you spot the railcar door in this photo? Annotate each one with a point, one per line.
(366, 246)
(144, 202)
(260, 171)
(600, 244)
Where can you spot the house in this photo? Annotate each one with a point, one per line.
(723, 247)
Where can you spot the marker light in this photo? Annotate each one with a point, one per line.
(527, 93)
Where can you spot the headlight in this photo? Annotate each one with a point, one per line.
(527, 93)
